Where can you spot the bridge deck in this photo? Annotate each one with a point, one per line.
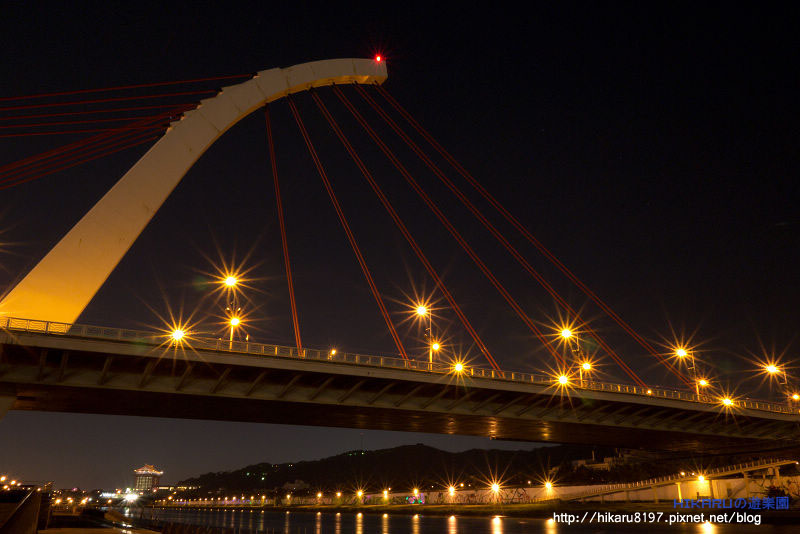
(97, 370)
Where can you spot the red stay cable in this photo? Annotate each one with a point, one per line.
(187, 105)
(122, 87)
(450, 228)
(496, 233)
(526, 233)
(77, 156)
(107, 153)
(403, 229)
(25, 165)
(346, 227)
(284, 241)
(104, 100)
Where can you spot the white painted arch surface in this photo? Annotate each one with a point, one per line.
(61, 285)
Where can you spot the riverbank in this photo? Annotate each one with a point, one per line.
(521, 510)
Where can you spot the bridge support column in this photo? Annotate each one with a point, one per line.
(776, 476)
(655, 494)
(5, 404)
(746, 479)
(680, 497)
(627, 496)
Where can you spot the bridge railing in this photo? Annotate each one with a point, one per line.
(164, 340)
(672, 479)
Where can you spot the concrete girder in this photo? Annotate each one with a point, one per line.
(289, 385)
(510, 403)
(256, 383)
(436, 397)
(380, 393)
(485, 401)
(104, 373)
(352, 390)
(408, 395)
(220, 380)
(322, 387)
(461, 399)
(185, 376)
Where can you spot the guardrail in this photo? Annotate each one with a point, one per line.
(165, 340)
(671, 479)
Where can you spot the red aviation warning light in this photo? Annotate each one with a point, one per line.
(378, 58)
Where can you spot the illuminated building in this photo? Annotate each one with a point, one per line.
(146, 478)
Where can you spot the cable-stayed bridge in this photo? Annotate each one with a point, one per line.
(50, 363)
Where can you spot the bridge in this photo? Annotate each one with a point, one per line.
(90, 369)
(48, 362)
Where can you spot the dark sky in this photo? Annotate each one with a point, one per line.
(653, 149)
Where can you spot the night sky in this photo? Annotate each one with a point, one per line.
(653, 150)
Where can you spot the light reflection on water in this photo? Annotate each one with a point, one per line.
(278, 522)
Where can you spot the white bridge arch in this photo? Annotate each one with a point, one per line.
(61, 285)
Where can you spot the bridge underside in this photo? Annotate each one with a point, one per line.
(87, 376)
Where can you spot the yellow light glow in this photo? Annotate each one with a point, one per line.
(416, 491)
(458, 367)
(319, 495)
(566, 333)
(586, 366)
(422, 311)
(727, 401)
(680, 353)
(235, 321)
(701, 478)
(231, 281)
(178, 334)
(649, 391)
(495, 487)
(796, 396)
(436, 346)
(333, 352)
(451, 490)
(385, 494)
(548, 485)
(338, 493)
(703, 382)
(771, 369)
(563, 379)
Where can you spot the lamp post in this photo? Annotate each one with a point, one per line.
(582, 363)
(433, 346)
(683, 353)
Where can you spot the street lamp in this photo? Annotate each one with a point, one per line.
(585, 366)
(433, 346)
(683, 353)
(233, 322)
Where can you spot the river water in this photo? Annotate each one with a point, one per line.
(273, 522)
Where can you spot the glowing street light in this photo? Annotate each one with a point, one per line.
(495, 487)
(231, 281)
(451, 490)
(458, 367)
(433, 346)
(566, 333)
(563, 380)
(727, 401)
(585, 366)
(548, 485)
(178, 334)
(681, 353)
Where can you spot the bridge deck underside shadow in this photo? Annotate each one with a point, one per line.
(119, 379)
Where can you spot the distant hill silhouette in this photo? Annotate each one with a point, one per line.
(400, 468)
